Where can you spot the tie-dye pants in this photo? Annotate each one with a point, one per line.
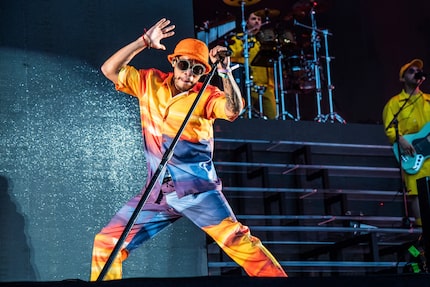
(209, 210)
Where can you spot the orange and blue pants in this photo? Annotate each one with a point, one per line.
(209, 210)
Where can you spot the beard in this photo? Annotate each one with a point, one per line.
(181, 84)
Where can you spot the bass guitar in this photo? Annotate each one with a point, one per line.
(421, 142)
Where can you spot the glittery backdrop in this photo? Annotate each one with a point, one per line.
(70, 157)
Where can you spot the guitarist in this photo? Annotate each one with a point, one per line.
(414, 107)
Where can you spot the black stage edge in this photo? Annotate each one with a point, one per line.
(421, 280)
(307, 131)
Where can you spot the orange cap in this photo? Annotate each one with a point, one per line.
(415, 62)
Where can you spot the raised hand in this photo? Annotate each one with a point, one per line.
(162, 29)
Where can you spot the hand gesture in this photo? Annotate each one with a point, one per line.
(156, 33)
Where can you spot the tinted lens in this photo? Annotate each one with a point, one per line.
(198, 69)
(413, 71)
(183, 65)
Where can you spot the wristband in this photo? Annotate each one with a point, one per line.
(223, 75)
(147, 43)
(224, 71)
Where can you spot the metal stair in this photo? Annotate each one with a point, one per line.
(323, 206)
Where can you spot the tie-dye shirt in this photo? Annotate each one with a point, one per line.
(162, 115)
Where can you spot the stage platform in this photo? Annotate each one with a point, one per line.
(305, 187)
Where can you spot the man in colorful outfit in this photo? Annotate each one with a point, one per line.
(415, 114)
(189, 185)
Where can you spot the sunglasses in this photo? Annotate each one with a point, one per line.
(184, 65)
(413, 71)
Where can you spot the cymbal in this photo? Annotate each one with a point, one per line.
(238, 3)
(266, 12)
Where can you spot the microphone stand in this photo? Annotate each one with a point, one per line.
(166, 157)
(395, 122)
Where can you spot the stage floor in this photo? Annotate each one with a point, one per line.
(226, 281)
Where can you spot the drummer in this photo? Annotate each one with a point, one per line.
(262, 77)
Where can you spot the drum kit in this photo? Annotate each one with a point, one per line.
(296, 60)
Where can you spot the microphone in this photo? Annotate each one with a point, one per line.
(223, 54)
(420, 75)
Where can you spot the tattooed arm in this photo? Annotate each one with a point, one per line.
(234, 104)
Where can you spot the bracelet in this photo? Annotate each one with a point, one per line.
(147, 43)
(223, 75)
(224, 71)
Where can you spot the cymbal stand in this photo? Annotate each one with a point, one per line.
(316, 65)
(280, 93)
(333, 115)
(316, 46)
(248, 81)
